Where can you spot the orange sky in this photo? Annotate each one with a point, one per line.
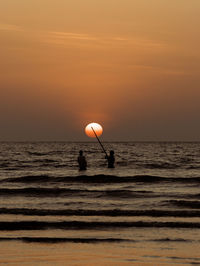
(131, 65)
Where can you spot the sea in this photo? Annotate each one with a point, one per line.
(145, 211)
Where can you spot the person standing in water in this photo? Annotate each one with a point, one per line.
(82, 161)
(111, 160)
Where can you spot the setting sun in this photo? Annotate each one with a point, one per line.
(97, 128)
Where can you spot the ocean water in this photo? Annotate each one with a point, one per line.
(146, 211)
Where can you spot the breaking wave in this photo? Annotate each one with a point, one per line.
(81, 225)
(185, 203)
(107, 212)
(64, 240)
(100, 179)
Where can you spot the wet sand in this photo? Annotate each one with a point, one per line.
(20, 253)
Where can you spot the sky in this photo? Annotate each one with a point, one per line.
(131, 65)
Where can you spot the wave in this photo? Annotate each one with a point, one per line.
(36, 153)
(185, 203)
(191, 196)
(45, 153)
(4, 164)
(107, 193)
(65, 240)
(110, 213)
(65, 192)
(81, 225)
(100, 179)
(161, 165)
(192, 167)
(85, 240)
(172, 240)
(28, 179)
(44, 161)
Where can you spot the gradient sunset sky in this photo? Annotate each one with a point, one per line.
(131, 65)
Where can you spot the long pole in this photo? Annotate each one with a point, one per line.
(99, 142)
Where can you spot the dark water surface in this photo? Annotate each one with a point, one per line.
(151, 198)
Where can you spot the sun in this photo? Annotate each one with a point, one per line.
(97, 128)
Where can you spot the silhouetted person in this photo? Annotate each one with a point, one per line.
(111, 160)
(82, 161)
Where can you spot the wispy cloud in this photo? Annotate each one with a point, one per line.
(84, 39)
(9, 27)
(70, 35)
(57, 37)
(138, 41)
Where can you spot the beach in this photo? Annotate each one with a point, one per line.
(18, 253)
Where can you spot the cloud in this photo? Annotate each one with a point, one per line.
(9, 27)
(139, 42)
(71, 35)
(99, 41)
(60, 37)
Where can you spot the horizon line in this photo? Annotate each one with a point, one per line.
(93, 141)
